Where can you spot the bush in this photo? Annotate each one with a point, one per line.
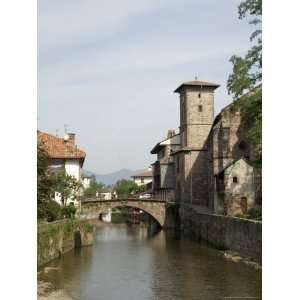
(255, 213)
(68, 211)
(49, 211)
(252, 214)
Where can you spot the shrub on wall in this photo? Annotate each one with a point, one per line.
(50, 210)
(68, 211)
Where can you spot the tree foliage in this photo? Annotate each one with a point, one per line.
(46, 209)
(47, 184)
(67, 186)
(45, 180)
(68, 211)
(245, 81)
(125, 187)
(94, 187)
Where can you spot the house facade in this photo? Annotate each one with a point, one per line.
(143, 178)
(86, 180)
(163, 169)
(63, 156)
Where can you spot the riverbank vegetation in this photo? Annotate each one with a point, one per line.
(252, 214)
(49, 183)
(245, 82)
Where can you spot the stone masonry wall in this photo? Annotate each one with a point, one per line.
(57, 238)
(225, 233)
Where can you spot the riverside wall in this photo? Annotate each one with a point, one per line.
(57, 238)
(224, 233)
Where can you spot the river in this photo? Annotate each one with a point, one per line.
(128, 263)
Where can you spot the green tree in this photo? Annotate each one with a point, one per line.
(125, 187)
(142, 188)
(245, 82)
(67, 186)
(93, 188)
(45, 185)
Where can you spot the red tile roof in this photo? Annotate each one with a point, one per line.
(59, 148)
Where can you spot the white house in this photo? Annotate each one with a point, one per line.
(144, 177)
(64, 156)
(86, 180)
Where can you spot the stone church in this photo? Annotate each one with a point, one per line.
(209, 165)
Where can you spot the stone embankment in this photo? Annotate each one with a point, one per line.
(57, 238)
(225, 233)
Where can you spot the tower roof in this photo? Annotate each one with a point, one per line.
(197, 83)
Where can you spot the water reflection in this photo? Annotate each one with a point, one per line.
(127, 263)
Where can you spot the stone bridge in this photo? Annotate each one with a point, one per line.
(156, 208)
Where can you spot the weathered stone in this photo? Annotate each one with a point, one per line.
(225, 233)
(57, 238)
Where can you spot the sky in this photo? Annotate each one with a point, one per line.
(107, 70)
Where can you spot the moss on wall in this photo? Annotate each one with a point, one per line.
(56, 238)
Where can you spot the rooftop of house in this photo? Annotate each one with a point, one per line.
(145, 173)
(197, 83)
(160, 145)
(57, 147)
(233, 163)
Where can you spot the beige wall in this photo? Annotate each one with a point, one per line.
(243, 188)
(138, 180)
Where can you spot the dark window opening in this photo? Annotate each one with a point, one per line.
(243, 146)
(235, 179)
(200, 109)
(199, 95)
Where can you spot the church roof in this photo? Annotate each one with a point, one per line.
(197, 83)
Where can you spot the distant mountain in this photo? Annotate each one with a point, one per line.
(112, 178)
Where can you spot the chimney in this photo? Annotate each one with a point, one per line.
(71, 139)
(171, 132)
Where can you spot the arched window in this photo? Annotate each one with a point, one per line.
(235, 179)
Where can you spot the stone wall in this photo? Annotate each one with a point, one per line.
(225, 233)
(57, 238)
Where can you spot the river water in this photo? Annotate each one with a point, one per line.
(127, 263)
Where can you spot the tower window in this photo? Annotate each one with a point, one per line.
(200, 108)
(199, 95)
(235, 179)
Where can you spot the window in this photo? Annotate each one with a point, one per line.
(199, 95)
(142, 179)
(243, 146)
(200, 108)
(235, 179)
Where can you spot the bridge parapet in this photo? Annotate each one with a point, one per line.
(90, 209)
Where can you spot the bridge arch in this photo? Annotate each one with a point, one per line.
(155, 208)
